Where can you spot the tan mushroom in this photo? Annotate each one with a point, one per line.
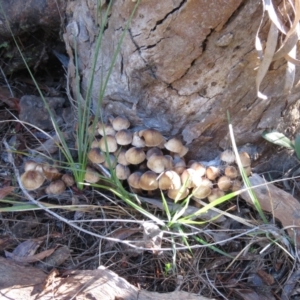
(124, 137)
(96, 156)
(105, 129)
(32, 180)
(231, 172)
(212, 173)
(30, 165)
(137, 141)
(190, 178)
(227, 156)
(151, 137)
(156, 163)
(247, 170)
(178, 194)
(224, 183)
(122, 172)
(245, 159)
(236, 185)
(51, 173)
(199, 168)
(110, 161)
(135, 155)
(216, 193)
(169, 162)
(148, 181)
(169, 180)
(110, 142)
(179, 164)
(91, 176)
(121, 159)
(203, 190)
(120, 123)
(174, 145)
(95, 144)
(134, 181)
(153, 151)
(68, 179)
(55, 188)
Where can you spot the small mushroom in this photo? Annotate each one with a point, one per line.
(236, 185)
(68, 179)
(199, 168)
(110, 142)
(231, 172)
(212, 173)
(110, 161)
(135, 155)
(30, 165)
(216, 193)
(95, 144)
(247, 170)
(151, 137)
(203, 189)
(55, 187)
(137, 141)
(124, 137)
(120, 123)
(227, 156)
(169, 164)
(122, 172)
(175, 145)
(148, 181)
(105, 129)
(245, 159)
(134, 181)
(178, 194)
(91, 176)
(224, 183)
(96, 156)
(169, 180)
(179, 164)
(156, 163)
(190, 178)
(121, 157)
(32, 179)
(153, 151)
(51, 173)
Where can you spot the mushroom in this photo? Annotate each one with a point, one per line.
(203, 189)
(156, 163)
(30, 165)
(212, 173)
(227, 156)
(110, 142)
(169, 164)
(148, 181)
(169, 180)
(190, 178)
(199, 168)
(32, 180)
(245, 159)
(124, 137)
(91, 176)
(68, 179)
(95, 144)
(153, 151)
(135, 155)
(134, 180)
(179, 164)
(224, 183)
(216, 193)
(51, 173)
(175, 145)
(121, 157)
(247, 170)
(151, 137)
(110, 161)
(96, 156)
(55, 188)
(137, 141)
(122, 172)
(105, 129)
(236, 185)
(120, 123)
(178, 194)
(231, 172)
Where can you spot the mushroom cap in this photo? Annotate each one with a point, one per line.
(124, 137)
(203, 190)
(236, 185)
(111, 142)
(121, 159)
(110, 161)
(216, 193)
(51, 173)
(174, 145)
(179, 164)
(247, 170)
(134, 180)
(183, 151)
(68, 179)
(169, 163)
(55, 187)
(153, 151)
(169, 180)
(122, 172)
(120, 123)
(245, 159)
(178, 194)
(190, 178)
(148, 181)
(156, 163)
(95, 144)
(91, 176)
(152, 137)
(137, 141)
(135, 155)
(105, 129)
(212, 172)
(224, 183)
(231, 172)
(32, 179)
(227, 156)
(199, 168)
(96, 156)
(30, 165)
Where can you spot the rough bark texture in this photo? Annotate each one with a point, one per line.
(182, 65)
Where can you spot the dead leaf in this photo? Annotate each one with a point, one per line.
(266, 277)
(6, 191)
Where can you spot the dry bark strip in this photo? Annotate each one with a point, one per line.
(20, 282)
(283, 206)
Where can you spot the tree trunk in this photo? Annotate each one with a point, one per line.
(183, 64)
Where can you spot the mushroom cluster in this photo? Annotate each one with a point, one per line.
(36, 174)
(151, 163)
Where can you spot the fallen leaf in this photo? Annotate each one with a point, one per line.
(6, 191)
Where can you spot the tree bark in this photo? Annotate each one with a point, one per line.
(182, 66)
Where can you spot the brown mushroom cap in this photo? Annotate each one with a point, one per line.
(30, 165)
(199, 168)
(178, 194)
(137, 141)
(32, 179)
(68, 179)
(124, 137)
(135, 155)
(96, 156)
(111, 142)
(134, 180)
(231, 172)
(122, 172)
(179, 164)
(216, 193)
(95, 144)
(236, 185)
(203, 190)
(245, 159)
(212, 173)
(120, 123)
(91, 176)
(190, 178)
(156, 163)
(55, 187)
(148, 181)
(110, 161)
(174, 145)
(153, 151)
(51, 173)
(224, 183)
(227, 156)
(169, 162)
(105, 129)
(121, 157)
(151, 137)
(169, 180)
